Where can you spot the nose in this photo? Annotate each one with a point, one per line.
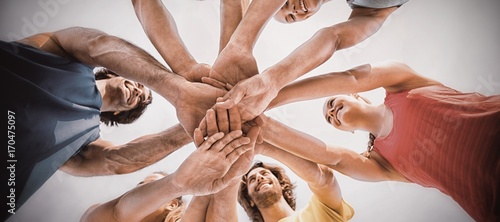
(259, 177)
(137, 91)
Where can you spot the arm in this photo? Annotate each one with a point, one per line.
(212, 160)
(259, 90)
(320, 178)
(343, 160)
(223, 205)
(95, 48)
(103, 158)
(231, 14)
(160, 27)
(392, 76)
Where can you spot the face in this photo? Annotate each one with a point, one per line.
(263, 187)
(344, 112)
(298, 10)
(123, 94)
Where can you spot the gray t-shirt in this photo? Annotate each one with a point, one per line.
(56, 106)
(375, 3)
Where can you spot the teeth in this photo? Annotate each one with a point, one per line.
(303, 6)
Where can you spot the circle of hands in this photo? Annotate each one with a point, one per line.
(220, 107)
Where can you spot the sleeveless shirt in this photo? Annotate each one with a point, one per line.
(450, 141)
(56, 106)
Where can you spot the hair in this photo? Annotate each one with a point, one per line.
(286, 185)
(124, 117)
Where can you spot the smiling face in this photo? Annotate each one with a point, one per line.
(345, 112)
(298, 10)
(263, 187)
(122, 94)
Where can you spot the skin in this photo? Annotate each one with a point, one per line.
(95, 48)
(352, 113)
(320, 179)
(255, 93)
(120, 94)
(213, 160)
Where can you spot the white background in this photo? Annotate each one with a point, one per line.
(452, 41)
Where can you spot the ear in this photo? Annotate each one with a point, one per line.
(117, 112)
(252, 204)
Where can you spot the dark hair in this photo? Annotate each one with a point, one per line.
(286, 185)
(124, 117)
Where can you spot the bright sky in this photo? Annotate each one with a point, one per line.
(454, 42)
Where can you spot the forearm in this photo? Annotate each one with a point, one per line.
(197, 209)
(297, 143)
(144, 200)
(222, 205)
(231, 15)
(160, 27)
(102, 158)
(256, 17)
(305, 169)
(354, 80)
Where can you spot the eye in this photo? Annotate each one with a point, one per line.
(293, 18)
(329, 119)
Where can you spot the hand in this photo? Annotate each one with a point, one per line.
(193, 102)
(196, 72)
(204, 171)
(233, 65)
(252, 96)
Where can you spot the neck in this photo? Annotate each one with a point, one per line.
(277, 211)
(380, 120)
(101, 86)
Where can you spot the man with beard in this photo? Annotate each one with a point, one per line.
(266, 192)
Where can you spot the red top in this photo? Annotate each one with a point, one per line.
(449, 140)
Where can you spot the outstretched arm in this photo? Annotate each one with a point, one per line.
(160, 27)
(212, 160)
(259, 90)
(320, 178)
(391, 75)
(96, 48)
(103, 158)
(343, 160)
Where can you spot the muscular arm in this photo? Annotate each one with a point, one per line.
(160, 27)
(392, 76)
(343, 160)
(362, 23)
(103, 158)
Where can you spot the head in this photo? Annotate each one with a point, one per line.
(125, 100)
(345, 112)
(298, 10)
(174, 208)
(262, 186)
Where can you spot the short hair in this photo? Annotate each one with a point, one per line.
(124, 117)
(286, 185)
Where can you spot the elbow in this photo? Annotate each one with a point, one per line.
(326, 177)
(329, 39)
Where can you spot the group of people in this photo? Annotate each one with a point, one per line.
(424, 132)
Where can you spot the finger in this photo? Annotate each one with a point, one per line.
(211, 121)
(203, 126)
(198, 137)
(231, 98)
(259, 120)
(213, 82)
(234, 119)
(207, 144)
(222, 120)
(235, 144)
(253, 133)
(222, 143)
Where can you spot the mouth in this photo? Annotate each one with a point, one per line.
(303, 6)
(263, 185)
(128, 88)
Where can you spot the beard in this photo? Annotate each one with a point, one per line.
(267, 198)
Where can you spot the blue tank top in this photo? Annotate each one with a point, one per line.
(56, 106)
